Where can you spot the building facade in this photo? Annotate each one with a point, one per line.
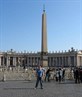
(55, 59)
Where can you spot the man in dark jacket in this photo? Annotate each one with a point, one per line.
(77, 75)
(47, 75)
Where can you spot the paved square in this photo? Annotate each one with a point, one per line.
(51, 89)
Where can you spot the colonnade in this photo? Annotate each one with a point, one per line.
(62, 61)
(35, 60)
(15, 61)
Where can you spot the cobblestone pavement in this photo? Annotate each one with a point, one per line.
(51, 89)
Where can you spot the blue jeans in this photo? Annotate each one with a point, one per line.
(39, 79)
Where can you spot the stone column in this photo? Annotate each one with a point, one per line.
(31, 61)
(81, 61)
(50, 61)
(3, 60)
(7, 62)
(14, 61)
(75, 60)
(65, 61)
(20, 61)
(78, 61)
(69, 61)
(62, 62)
(37, 60)
(27, 61)
(34, 61)
(59, 62)
(53, 61)
(56, 60)
(0, 60)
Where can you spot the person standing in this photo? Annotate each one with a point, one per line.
(57, 75)
(47, 75)
(60, 74)
(39, 75)
(63, 74)
(77, 75)
(81, 75)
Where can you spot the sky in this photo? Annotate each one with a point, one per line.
(21, 24)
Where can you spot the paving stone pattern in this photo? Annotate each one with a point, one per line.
(50, 89)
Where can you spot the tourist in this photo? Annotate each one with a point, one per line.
(77, 75)
(47, 75)
(63, 74)
(39, 75)
(57, 75)
(44, 73)
(81, 75)
(60, 74)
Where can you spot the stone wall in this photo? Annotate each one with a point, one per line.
(27, 74)
(17, 74)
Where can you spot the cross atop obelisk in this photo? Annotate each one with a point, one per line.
(44, 58)
(43, 8)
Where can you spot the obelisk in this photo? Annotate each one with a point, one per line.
(44, 57)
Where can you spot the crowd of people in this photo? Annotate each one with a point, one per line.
(43, 74)
(60, 74)
(78, 75)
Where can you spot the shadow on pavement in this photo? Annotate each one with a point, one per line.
(18, 88)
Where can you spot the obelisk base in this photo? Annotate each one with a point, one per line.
(44, 63)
